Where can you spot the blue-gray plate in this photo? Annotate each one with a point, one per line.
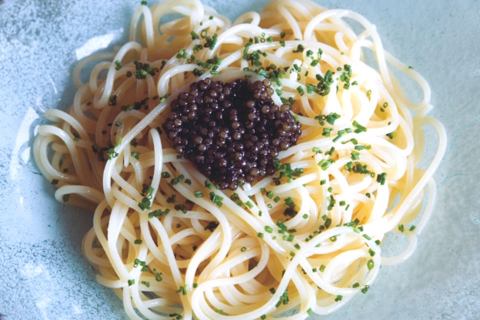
(42, 272)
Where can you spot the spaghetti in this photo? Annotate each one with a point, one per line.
(302, 241)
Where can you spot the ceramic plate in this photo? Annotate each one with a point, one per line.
(42, 272)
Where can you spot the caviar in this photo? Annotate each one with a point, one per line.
(232, 131)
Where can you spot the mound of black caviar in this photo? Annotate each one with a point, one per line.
(231, 131)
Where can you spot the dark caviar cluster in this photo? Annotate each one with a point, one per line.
(231, 131)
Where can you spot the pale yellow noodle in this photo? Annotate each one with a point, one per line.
(166, 248)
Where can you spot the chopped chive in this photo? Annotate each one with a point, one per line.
(299, 48)
(381, 178)
(370, 264)
(360, 147)
(165, 174)
(311, 88)
(325, 163)
(300, 90)
(158, 213)
(182, 290)
(355, 155)
(218, 200)
(316, 150)
(208, 184)
(135, 155)
(358, 127)
(332, 117)
(118, 65)
(158, 275)
(111, 153)
(326, 132)
(146, 202)
(194, 35)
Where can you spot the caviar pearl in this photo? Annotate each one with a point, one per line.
(231, 131)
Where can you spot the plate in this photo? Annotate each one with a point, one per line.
(43, 274)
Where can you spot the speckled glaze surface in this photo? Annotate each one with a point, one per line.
(42, 272)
